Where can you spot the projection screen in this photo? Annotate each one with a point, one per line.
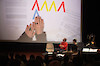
(62, 18)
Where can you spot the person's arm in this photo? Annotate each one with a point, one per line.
(65, 45)
(60, 44)
(24, 37)
(28, 33)
(41, 37)
(39, 27)
(36, 28)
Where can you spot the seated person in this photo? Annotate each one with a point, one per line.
(74, 48)
(63, 44)
(91, 41)
(74, 41)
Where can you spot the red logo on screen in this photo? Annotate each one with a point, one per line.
(45, 4)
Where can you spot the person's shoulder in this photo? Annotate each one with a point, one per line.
(62, 42)
(66, 42)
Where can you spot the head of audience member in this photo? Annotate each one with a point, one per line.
(17, 57)
(17, 60)
(11, 55)
(31, 61)
(64, 40)
(39, 58)
(23, 58)
(32, 57)
(74, 41)
(39, 61)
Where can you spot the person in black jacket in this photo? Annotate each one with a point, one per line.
(75, 46)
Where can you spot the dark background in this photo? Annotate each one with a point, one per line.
(90, 20)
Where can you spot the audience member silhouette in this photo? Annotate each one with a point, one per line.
(39, 61)
(23, 60)
(31, 61)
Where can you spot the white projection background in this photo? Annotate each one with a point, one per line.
(15, 15)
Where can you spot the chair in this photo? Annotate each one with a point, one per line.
(50, 47)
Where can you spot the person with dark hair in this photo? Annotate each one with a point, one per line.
(91, 40)
(31, 61)
(39, 61)
(23, 60)
(32, 57)
(15, 62)
(63, 44)
(75, 41)
(11, 55)
(74, 48)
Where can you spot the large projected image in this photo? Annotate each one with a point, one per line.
(50, 20)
